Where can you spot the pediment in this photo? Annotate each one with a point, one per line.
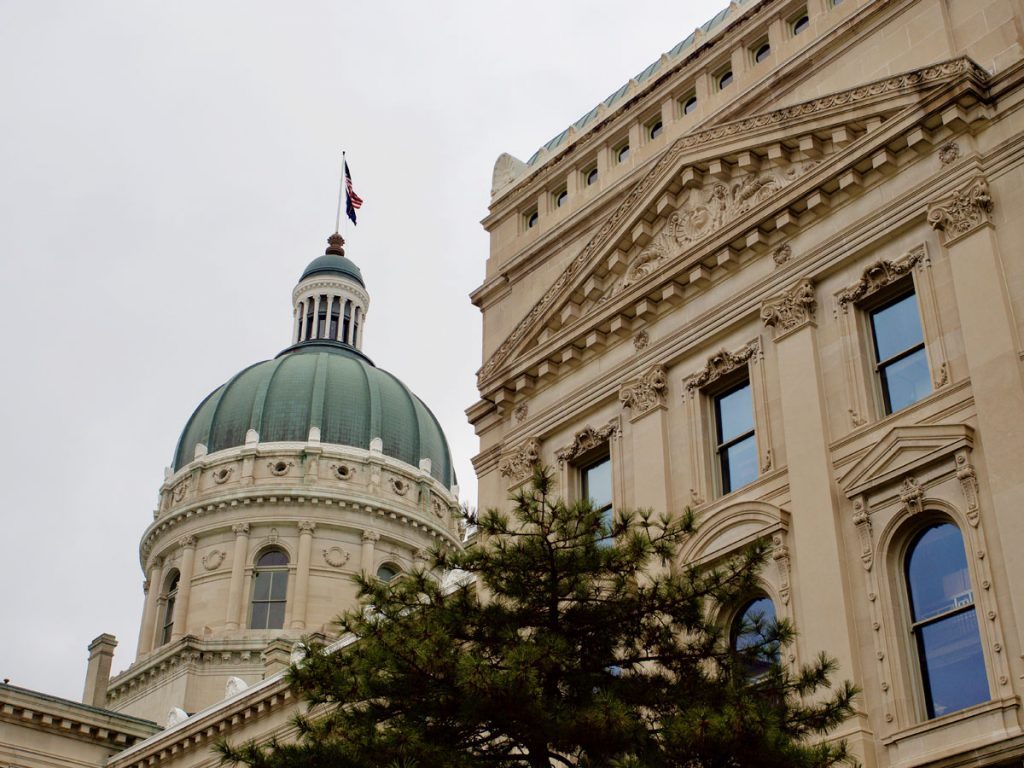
(713, 199)
(902, 451)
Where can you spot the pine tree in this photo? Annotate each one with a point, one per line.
(577, 644)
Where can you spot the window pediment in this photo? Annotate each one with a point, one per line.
(902, 451)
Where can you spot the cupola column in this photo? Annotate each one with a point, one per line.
(156, 577)
(233, 619)
(370, 538)
(306, 529)
(188, 557)
(296, 333)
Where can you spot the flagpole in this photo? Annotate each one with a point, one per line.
(341, 191)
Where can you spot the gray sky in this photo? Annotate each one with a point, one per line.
(166, 171)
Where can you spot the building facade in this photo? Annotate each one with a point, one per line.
(776, 278)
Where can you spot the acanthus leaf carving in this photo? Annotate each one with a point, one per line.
(721, 363)
(968, 478)
(585, 440)
(520, 463)
(964, 212)
(780, 554)
(879, 274)
(792, 309)
(646, 392)
(862, 521)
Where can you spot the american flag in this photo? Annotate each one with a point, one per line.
(353, 202)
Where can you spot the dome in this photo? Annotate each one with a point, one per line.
(333, 264)
(325, 384)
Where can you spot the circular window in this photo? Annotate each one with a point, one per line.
(623, 154)
(725, 79)
(762, 53)
(655, 130)
(531, 220)
(560, 198)
(591, 177)
(689, 105)
(801, 24)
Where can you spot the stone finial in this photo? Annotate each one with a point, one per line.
(335, 245)
(97, 673)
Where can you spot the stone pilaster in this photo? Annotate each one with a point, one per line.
(306, 529)
(188, 558)
(233, 617)
(153, 586)
(370, 539)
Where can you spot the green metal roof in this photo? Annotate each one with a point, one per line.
(332, 263)
(321, 384)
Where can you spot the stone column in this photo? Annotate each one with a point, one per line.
(370, 538)
(991, 345)
(153, 586)
(233, 618)
(188, 557)
(644, 397)
(306, 529)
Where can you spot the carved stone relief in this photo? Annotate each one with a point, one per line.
(782, 254)
(721, 363)
(878, 275)
(520, 463)
(222, 475)
(641, 340)
(949, 153)
(704, 212)
(911, 495)
(962, 213)
(520, 412)
(585, 440)
(862, 521)
(213, 559)
(780, 554)
(342, 471)
(398, 485)
(280, 468)
(336, 557)
(968, 478)
(792, 309)
(646, 392)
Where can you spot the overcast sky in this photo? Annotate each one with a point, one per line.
(167, 169)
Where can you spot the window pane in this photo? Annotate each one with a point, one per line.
(735, 413)
(275, 615)
(278, 585)
(748, 631)
(937, 573)
(262, 589)
(739, 464)
(259, 615)
(597, 483)
(275, 557)
(906, 381)
(952, 664)
(896, 327)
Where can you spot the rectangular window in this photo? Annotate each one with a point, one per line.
(597, 486)
(736, 444)
(899, 352)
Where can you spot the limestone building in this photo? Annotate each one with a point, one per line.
(777, 276)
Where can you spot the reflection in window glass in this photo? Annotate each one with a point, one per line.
(944, 621)
(623, 154)
(725, 80)
(690, 105)
(591, 177)
(597, 486)
(654, 131)
(762, 53)
(748, 631)
(737, 447)
(270, 589)
(801, 24)
(172, 595)
(386, 572)
(899, 353)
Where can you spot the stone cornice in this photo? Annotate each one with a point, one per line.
(839, 166)
(32, 709)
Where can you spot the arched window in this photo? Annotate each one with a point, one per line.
(387, 572)
(170, 594)
(944, 622)
(332, 333)
(270, 588)
(321, 321)
(749, 632)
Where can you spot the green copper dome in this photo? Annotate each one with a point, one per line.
(333, 264)
(323, 384)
